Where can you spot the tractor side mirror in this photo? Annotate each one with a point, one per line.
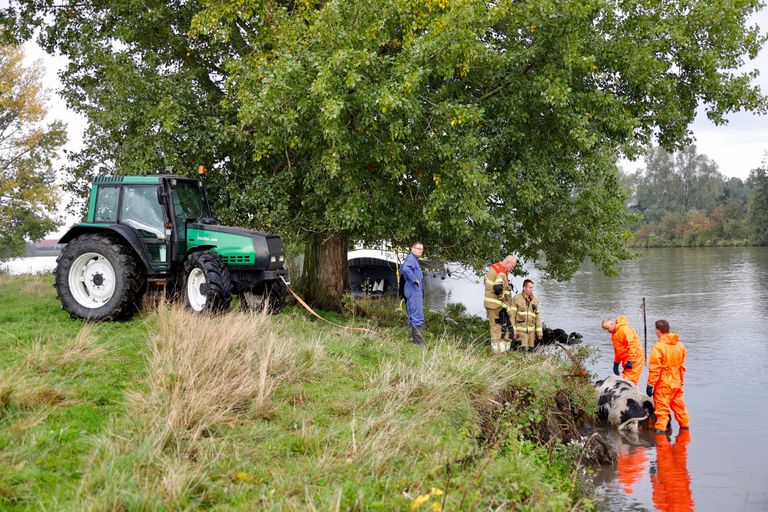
(162, 197)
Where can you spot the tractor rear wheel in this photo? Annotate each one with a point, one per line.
(98, 278)
(207, 286)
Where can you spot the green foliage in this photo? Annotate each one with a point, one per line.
(480, 128)
(677, 182)
(758, 207)
(685, 201)
(28, 149)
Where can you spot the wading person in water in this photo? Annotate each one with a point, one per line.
(666, 372)
(627, 350)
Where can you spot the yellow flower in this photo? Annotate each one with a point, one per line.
(243, 476)
(437, 507)
(419, 501)
(436, 492)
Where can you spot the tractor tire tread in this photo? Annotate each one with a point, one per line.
(219, 297)
(128, 271)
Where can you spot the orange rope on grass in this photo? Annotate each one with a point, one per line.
(312, 311)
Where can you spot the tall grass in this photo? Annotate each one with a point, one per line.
(46, 356)
(204, 376)
(204, 372)
(174, 411)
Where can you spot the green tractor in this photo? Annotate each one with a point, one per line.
(144, 231)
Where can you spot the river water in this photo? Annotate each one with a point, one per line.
(716, 299)
(29, 265)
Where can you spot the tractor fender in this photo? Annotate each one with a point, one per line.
(126, 233)
(199, 248)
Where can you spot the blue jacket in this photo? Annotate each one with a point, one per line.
(411, 272)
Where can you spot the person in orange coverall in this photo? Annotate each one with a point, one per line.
(672, 482)
(627, 350)
(666, 371)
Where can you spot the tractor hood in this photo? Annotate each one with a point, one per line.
(239, 247)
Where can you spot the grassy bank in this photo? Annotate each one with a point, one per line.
(171, 411)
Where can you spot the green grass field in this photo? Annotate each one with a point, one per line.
(171, 411)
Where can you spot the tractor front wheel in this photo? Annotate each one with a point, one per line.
(207, 286)
(98, 278)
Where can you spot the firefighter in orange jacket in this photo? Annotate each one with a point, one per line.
(666, 372)
(496, 302)
(627, 351)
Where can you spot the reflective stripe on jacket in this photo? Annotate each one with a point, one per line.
(526, 314)
(497, 274)
(666, 366)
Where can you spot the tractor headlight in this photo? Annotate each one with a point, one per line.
(273, 259)
(281, 258)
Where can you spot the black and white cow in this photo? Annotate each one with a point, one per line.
(623, 405)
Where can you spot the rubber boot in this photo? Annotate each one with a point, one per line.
(417, 338)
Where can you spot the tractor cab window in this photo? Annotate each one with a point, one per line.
(142, 211)
(188, 204)
(106, 204)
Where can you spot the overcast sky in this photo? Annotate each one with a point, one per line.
(736, 147)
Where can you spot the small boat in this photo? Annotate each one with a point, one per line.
(373, 272)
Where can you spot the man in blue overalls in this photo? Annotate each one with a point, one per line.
(410, 271)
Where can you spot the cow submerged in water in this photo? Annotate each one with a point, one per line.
(621, 404)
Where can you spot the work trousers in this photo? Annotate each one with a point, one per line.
(633, 374)
(501, 335)
(666, 398)
(527, 339)
(414, 306)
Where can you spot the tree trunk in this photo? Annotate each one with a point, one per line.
(325, 276)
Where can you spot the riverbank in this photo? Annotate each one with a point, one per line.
(678, 244)
(172, 411)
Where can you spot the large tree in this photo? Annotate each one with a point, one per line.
(679, 181)
(757, 218)
(479, 127)
(28, 148)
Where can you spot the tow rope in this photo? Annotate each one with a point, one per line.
(312, 311)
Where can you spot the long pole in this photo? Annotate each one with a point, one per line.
(645, 331)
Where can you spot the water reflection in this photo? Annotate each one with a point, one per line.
(671, 481)
(649, 469)
(631, 465)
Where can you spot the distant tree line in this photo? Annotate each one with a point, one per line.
(683, 200)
